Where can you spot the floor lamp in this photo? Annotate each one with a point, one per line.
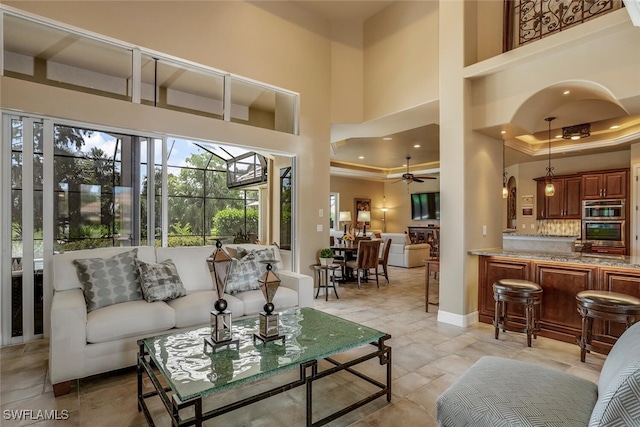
(384, 219)
(364, 217)
(345, 216)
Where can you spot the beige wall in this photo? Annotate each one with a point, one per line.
(489, 20)
(292, 51)
(498, 96)
(400, 58)
(347, 60)
(350, 189)
(396, 196)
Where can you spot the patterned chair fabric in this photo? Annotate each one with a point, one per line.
(498, 391)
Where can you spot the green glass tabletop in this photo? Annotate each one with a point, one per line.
(193, 371)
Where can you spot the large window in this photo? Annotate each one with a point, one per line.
(78, 188)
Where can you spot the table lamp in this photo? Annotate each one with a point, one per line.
(364, 217)
(345, 216)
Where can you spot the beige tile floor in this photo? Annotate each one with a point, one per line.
(427, 357)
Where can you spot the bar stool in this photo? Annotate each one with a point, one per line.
(604, 305)
(524, 292)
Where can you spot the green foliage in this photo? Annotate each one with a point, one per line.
(84, 244)
(174, 241)
(326, 253)
(229, 221)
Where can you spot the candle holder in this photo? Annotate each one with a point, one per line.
(269, 321)
(219, 265)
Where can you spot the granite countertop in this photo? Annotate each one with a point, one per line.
(538, 236)
(575, 257)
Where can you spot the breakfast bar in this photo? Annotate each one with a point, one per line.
(561, 276)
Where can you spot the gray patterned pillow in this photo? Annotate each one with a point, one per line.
(160, 282)
(245, 272)
(107, 281)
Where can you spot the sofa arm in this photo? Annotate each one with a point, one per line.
(300, 283)
(68, 336)
(417, 247)
(415, 255)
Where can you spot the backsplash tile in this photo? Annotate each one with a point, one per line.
(558, 227)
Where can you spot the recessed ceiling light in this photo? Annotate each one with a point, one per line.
(361, 157)
(387, 138)
(575, 137)
(503, 132)
(614, 127)
(416, 146)
(558, 136)
(566, 92)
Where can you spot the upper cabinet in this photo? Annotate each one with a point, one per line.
(605, 185)
(565, 203)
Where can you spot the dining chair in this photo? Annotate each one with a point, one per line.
(382, 260)
(366, 260)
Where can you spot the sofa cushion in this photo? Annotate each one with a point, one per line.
(160, 282)
(107, 281)
(195, 308)
(497, 391)
(254, 300)
(129, 319)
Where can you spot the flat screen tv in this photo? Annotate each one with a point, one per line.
(425, 206)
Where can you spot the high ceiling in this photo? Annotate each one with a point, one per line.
(614, 126)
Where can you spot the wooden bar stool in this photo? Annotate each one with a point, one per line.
(604, 305)
(524, 292)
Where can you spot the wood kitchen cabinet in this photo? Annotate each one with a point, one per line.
(565, 203)
(560, 284)
(605, 185)
(491, 270)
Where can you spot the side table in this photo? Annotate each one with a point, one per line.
(327, 282)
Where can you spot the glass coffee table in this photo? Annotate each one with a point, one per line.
(193, 371)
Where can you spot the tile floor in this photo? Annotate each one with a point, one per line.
(427, 357)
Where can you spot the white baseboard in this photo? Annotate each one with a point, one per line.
(457, 319)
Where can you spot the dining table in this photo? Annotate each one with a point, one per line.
(349, 251)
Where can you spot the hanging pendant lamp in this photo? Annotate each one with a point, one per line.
(505, 189)
(549, 188)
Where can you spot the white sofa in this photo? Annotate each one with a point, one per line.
(402, 254)
(84, 344)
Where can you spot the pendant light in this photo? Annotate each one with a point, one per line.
(549, 188)
(505, 189)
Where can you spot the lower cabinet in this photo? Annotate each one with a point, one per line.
(560, 282)
(492, 269)
(560, 285)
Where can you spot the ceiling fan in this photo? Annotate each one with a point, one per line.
(408, 177)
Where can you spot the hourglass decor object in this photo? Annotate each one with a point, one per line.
(219, 265)
(269, 320)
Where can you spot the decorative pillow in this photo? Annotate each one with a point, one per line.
(160, 282)
(265, 255)
(243, 275)
(107, 281)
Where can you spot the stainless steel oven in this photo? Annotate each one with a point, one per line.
(604, 232)
(611, 209)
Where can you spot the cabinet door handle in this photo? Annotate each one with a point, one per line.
(604, 191)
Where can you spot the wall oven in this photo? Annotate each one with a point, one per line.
(603, 222)
(612, 209)
(604, 233)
